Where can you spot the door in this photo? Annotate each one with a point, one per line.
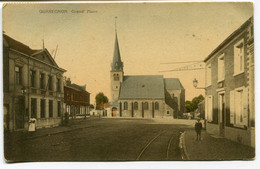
(114, 111)
(222, 113)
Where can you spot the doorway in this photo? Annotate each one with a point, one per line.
(114, 111)
(222, 113)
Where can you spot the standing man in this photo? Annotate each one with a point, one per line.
(198, 128)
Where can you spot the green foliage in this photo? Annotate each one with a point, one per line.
(101, 98)
(193, 105)
(188, 105)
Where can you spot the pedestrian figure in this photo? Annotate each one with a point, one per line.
(198, 128)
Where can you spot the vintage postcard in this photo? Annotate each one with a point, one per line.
(128, 82)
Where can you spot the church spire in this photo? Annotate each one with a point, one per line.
(117, 64)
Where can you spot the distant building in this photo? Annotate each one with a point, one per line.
(146, 96)
(76, 99)
(230, 87)
(33, 86)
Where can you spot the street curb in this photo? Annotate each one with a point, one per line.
(182, 146)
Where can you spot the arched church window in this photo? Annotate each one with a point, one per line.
(135, 106)
(146, 106)
(156, 106)
(125, 106)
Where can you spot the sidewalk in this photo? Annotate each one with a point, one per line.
(25, 135)
(214, 148)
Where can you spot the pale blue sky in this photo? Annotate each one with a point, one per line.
(148, 34)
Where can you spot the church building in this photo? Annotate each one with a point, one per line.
(145, 96)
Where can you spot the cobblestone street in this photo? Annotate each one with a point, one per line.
(99, 140)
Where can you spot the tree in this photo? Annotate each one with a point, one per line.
(193, 105)
(101, 99)
(196, 101)
(188, 105)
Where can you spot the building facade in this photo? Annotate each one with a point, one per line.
(33, 86)
(76, 99)
(146, 96)
(230, 87)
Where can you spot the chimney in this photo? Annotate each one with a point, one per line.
(68, 82)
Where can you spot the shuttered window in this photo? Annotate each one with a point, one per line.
(239, 57)
(209, 108)
(239, 107)
(221, 68)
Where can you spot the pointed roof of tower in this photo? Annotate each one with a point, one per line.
(117, 64)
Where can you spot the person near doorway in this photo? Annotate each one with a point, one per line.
(198, 128)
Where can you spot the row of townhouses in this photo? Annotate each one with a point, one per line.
(34, 87)
(229, 101)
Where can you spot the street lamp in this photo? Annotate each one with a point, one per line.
(195, 84)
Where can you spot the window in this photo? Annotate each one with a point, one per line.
(156, 106)
(42, 108)
(239, 57)
(58, 85)
(42, 75)
(33, 108)
(125, 106)
(59, 109)
(168, 112)
(50, 82)
(221, 68)
(239, 107)
(116, 77)
(18, 77)
(32, 78)
(50, 108)
(208, 75)
(146, 106)
(209, 108)
(135, 105)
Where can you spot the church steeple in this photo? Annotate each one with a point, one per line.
(117, 64)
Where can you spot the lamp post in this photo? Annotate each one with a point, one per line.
(195, 84)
